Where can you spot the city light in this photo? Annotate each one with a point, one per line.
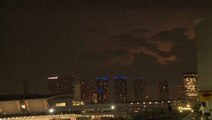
(112, 107)
(51, 78)
(23, 106)
(51, 110)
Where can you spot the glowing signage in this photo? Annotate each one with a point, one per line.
(51, 78)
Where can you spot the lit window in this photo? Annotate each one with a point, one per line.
(60, 104)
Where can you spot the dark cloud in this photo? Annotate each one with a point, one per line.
(157, 46)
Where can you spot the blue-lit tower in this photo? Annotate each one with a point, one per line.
(102, 89)
(121, 88)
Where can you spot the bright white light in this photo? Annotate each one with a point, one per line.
(51, 110)
(144, 103)
(188, 105)
(185, 108)
(131, 103)
(112, 107)
(150, 102)
(52, 78)
(23, 106)
(138, 103)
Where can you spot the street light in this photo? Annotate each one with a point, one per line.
(112, 107)
(51, 110)
(23, 106)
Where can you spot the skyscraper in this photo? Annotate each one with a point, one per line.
(139, 87)
(64, 85)
(163, 90)
(121, 88)
(71, 85)
(191, 85)
(102, 89)
(180, 93)
(86, 91)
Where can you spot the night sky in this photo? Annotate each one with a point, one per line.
(147, 38)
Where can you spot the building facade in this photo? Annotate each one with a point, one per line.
(102, 89)
(70, 85)
(180, 93)
(140, 89)
(163, 89)
(191, 85)
(121, 88)
(86, 91)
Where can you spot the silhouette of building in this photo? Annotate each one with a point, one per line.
(121, 88)
(70, 85)
(180, 95)
(163, 90)
(102, 89)
(191, 85)
(140, 89)
(86, 91)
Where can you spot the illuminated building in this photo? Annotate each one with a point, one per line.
(70, 85)
(163, 90)
(121, 88)
(139, 86)
(191, 85)
(102, 89)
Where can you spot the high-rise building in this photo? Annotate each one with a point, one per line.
(180, 93)
(121, 88)
(59, 85)
(191, 85)
(140, 89)
(86, 91)
(163, 90)
(102, 89)
(71, 85)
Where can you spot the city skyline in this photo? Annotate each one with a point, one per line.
(105, 92)
(150, 40)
